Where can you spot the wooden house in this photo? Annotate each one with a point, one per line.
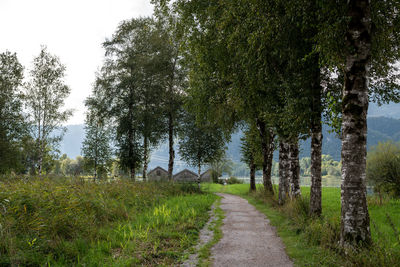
(157, 174)
(206, 176)
(185, 176)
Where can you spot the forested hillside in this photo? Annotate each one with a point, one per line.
(380, 129)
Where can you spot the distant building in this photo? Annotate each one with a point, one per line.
(185, 176)
(157, 174)
(206, 176)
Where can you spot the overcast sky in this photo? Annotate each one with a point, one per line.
(71, 29)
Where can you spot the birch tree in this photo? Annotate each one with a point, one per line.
(227, 79)
(175, 79)
(363, 45)
(200, 144)
(96, 145)
(45, 94)
(355, 216)
(251, 152)
(12, 121)
(133, 77)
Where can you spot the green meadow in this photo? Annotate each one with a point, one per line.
(69, 222)
(73, 222)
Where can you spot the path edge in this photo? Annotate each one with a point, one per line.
(200, 254)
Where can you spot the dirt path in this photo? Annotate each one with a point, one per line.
(248, 238)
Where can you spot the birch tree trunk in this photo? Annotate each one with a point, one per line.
(132, 163)
(355, 225)
(131, 136)
(95, 170)
(252, 166)
(145, 157)
(283, 172)
(40, 159)
(133, 172)
(294, 169)
(95, 158)
(171, 146)
(271, 149)
(198, 175)
(266, 142)
(172, 95)
(316, 145)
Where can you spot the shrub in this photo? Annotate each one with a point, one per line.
(234, 180)
(189, 188)
(383, 167)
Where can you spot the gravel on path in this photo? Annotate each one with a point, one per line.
(248, 238)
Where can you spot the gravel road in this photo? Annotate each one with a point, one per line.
(248, 238)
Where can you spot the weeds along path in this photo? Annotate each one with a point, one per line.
(209, 235)
(248, 238)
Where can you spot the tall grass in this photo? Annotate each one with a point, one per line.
(69, 222)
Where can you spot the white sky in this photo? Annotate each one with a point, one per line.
(71, 29)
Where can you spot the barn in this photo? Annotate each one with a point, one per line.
(157, 174)
(206, 176)
(185, 176)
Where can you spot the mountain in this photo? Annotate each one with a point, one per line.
(75, 134)
(380, 129)
(391, 110)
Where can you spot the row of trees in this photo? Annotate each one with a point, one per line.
(138, 100)
(274, 68)
(80, 166)
(30, 113)
(136, 97)
(277, 67)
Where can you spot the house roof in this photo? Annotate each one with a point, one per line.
(157, 168)
(206, 172)
(186, 170)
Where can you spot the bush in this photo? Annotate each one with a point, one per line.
(221, 181)
(234, 180)
(383, 167)
(189, 188)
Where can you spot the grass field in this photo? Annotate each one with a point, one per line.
(314, 242)
(70, 222)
